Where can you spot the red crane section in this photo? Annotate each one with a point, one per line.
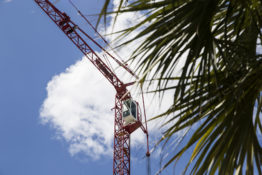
(64, 22)
(122, 129)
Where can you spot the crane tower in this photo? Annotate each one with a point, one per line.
(128, 116)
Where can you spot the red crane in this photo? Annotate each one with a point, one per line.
(128, 116)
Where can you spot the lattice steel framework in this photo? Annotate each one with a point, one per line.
(121, 159)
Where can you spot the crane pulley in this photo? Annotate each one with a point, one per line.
(128, 116)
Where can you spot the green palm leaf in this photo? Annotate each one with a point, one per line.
(220, 83)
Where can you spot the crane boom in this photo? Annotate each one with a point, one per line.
(122, 131)
(64, 22)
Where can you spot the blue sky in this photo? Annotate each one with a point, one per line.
(34, 53)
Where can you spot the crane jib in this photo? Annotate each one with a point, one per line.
(103, 69)
(63, 21)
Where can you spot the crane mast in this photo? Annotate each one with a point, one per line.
(122, 131)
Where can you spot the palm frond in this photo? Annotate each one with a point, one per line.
(220, 83)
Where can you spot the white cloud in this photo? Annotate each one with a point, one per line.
(78, 106)
(79, 101)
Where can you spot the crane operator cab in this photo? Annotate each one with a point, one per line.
(130, 111)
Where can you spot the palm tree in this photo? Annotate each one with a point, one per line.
(219, 89)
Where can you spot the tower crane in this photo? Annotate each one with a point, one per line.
(128, 115)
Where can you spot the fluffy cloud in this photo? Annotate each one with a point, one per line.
(79, 100)
(78, 106)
